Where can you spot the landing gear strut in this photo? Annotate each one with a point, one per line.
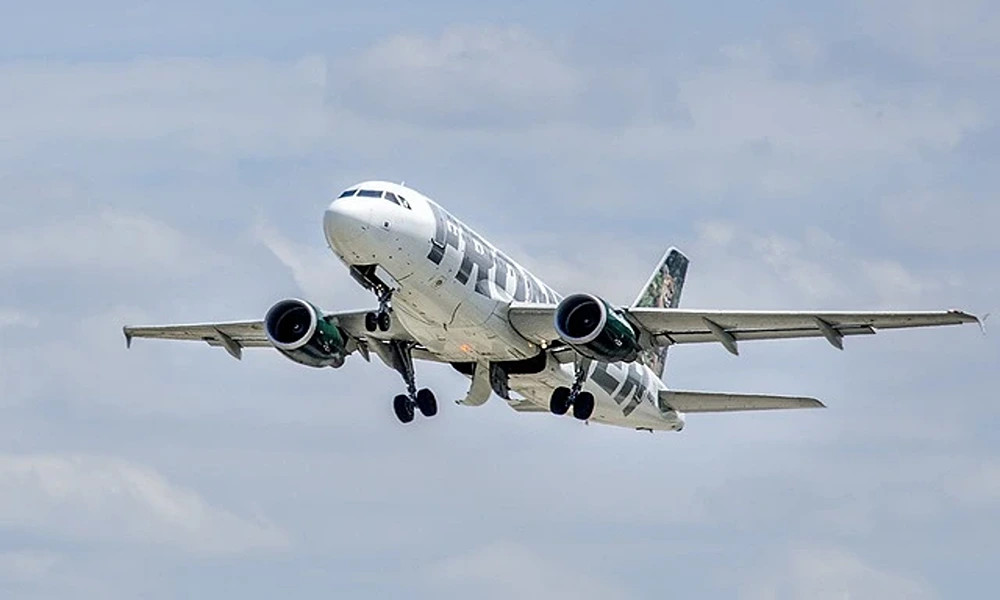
(401, 353)
(369, 279)
(564, 398)
(406, 405)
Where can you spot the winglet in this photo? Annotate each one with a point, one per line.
(965, 317)
(128, 337)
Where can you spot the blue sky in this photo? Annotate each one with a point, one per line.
(170, 162)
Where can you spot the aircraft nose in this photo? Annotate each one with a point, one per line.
(346, 220)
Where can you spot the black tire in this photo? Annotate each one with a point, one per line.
(583, 406)
(559, 402)
(371, 321)
(384, 321)
(427, 403)
(403, 408)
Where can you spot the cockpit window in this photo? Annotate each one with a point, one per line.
(391, 197)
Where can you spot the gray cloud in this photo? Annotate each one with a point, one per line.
(505, 570)
(828, 573)
(193, 190)
(100, 499)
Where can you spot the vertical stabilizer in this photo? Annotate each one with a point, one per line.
(663, 290)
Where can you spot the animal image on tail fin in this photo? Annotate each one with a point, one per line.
(663, 290)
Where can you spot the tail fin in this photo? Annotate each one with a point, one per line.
(663, 290)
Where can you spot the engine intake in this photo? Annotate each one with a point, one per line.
(591, 327)
(297, 330)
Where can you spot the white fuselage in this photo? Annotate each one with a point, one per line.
(452, 292)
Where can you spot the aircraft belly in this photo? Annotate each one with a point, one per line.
(538, 389)
(456, 324)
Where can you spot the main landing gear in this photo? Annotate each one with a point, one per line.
(564, 398)
(406, 405)
(401, 353)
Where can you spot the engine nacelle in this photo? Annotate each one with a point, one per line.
(594, 329)
(297, 330)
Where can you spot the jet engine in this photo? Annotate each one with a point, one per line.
(594, 329)
(297, 330)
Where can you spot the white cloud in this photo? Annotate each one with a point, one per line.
(26, 566)
(108, 240)
(213, 107)
(818, 573)
(107, 499)
(977, 485)
(894, 284)
(705, 127)
(950, 36)
(948, 219)
(783, 134)
(510, 570)
(467, 75)
(534, 140)
(10, 317)
(313, 267)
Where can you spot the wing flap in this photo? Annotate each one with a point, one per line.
(535, 322)
(706, 402)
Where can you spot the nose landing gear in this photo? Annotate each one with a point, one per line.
(381, 319)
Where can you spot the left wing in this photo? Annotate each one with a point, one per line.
(668, 326)
(236, 335)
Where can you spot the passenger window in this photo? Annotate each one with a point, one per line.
(347, 193)
(370, 193)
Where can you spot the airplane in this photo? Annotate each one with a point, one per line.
(448, 295)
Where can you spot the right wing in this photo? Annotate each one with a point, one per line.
(685, 326)
(668, 326)
(703, 402)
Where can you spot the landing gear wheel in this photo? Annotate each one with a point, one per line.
(559, 402)
(427, 403)
(404, 404)
(371, 321)
(384, 321)
(583, 406)
(403, 407)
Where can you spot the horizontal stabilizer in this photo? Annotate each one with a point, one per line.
(702, 402)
